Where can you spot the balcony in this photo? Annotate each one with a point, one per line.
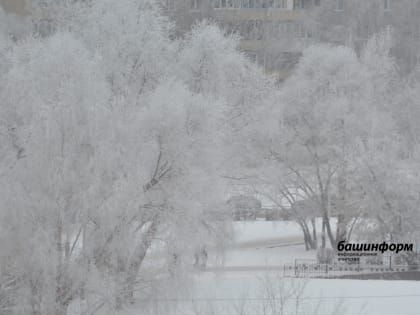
(266, 14)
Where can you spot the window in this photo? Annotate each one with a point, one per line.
(387, 5)
(339, 5)
(281, 4)
(225, 4)
(288, 29)
(170, 4)
(248, 4)
(268, 4)
(44, 27)
(289, 60)
(299, 4)
(252, 56)
(282, 29)
(195, 5)
(251, 30)
(301, 31)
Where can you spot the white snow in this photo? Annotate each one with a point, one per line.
(370, 297)
(256, 260)
(261, 250)
(246, 231)
(252, 231)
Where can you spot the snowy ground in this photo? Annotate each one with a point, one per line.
(262, 247)
(250, 231)
(357, 296)
(254, 262)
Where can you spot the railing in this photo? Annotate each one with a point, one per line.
(313, 269)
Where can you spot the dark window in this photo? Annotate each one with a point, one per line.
(195, 5)
(170, 4)
(299, 4)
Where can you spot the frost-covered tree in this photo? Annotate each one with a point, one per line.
(323, 115)
(354, 22)
(331, 107)
(53, 98)
(407, 112)
(390, 160)
(136, 50)
(211, 64)
(112, 151)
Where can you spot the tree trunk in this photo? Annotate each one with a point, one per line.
(121, 291)
(305, 239)
(314, 236)
(137, 259)
(62, 283)
(329, 231)
(323, 237)
(309, 242)
(341, 232)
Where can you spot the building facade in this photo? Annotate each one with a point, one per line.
(271, 30)
(275, 32)
(14, 6)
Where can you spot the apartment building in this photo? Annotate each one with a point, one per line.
(14, 6)
(271, 31)
(274, 32)
(23, 9)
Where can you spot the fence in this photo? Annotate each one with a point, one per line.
(311, 268)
